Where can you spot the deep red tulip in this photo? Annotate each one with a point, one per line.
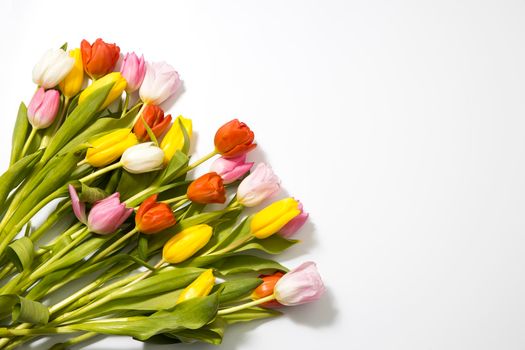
(209, 188)
(153, 217)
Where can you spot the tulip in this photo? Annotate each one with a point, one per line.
(133, 70)
(119, 84)
(261, 184)
(173, 141)
(272, 219)
(186, 243)
(43, 108)
(153, 217)
(266, 288)
(154, 117)
(54, 65)
(100, 58)
(142, 158)
(108, 148)
(79, 208)
(208, 188)
(72, 83)
(231, 169)
(301, 285)
(161, 81)
(107, 215)
(233, 139)
(295, 224)
(201, 287)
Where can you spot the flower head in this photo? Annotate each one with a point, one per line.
(186, 243)
(301, 285)
(295, 224)
(43, 108)
(207, 189)
(160, 82)
(173, 141)
(100, 58)
(274, 217)
(234, 139)
(153, 217)
(261, 184)
(115, 78)
(72, 83)
(142, 158)
(53, 66)
(133, 70)
(199, 288)
(155, 119)
(231, 169)
(108, 148)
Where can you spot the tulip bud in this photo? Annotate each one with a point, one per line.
(207, 189)
(153, 217)
(173, 141)
(72, 83)
(43, 108)
(54, 65)
(231, 169)
(133, 70)
(273, 218)
(100, 58)
(107, 215)
(301, 285)
(233, 139)
(295, 224)
(108, 148)
(266, 288)
(119, 84)
(154, 117)
(261, 184)
(142, 158)
(160, 82)
(201, 287)
(79, 208)
(186, 243)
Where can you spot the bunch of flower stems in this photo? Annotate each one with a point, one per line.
(133, 242)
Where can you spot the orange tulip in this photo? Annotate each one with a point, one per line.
(266, 288)
(209, 188)
(153, 217)
(154, 117)
(100, 58)
(234, 139)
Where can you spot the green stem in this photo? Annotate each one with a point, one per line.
(200, 161)
(247, 305)
(176, 199)
(115, 244)
(28, 142)
(126, 103)
(100, 172)
(14, 332)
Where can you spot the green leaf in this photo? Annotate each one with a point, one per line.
(64, 46)
(174, 167)
(186, 146)
(246, 263)
(24, 310)
(41, 288)
(91, 194)
(275, 244)
(211, 333)
(21, 253)
(237, 289)
(191, 314)
(142, 247)
(228, 238)
(249, 314)
(16, 174)
(20, 133)
(81, 117)
(131, 184)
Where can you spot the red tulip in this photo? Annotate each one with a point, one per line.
(209, 188)
(234, 139)
(100, 58)
(153, 217)
(266, 288)
(154, 117)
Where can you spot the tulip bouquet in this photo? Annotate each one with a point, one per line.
(133, 244)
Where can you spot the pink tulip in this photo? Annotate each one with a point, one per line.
(106, 215)
(299, 286)
(161, 81)
(295, 224)
(43, 108)
(133, 70)
(231, 169)
(79, 208)
(261, 184)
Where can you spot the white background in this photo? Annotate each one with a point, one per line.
(399, 124)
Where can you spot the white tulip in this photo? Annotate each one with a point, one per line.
(142, 158)
(52, 68)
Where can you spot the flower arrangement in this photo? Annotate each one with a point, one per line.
(157, 262)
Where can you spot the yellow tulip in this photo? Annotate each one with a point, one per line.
(272, 218)
(115, 78)
(174, 139)
(186, 243)
(199, 288)
(108, 148)
(72, 83)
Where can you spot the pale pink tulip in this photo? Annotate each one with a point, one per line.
(299, 286)
(79, 208)
(261, 184)
(231, 169)
(133, 70)
(43, 108)
(161, 81)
